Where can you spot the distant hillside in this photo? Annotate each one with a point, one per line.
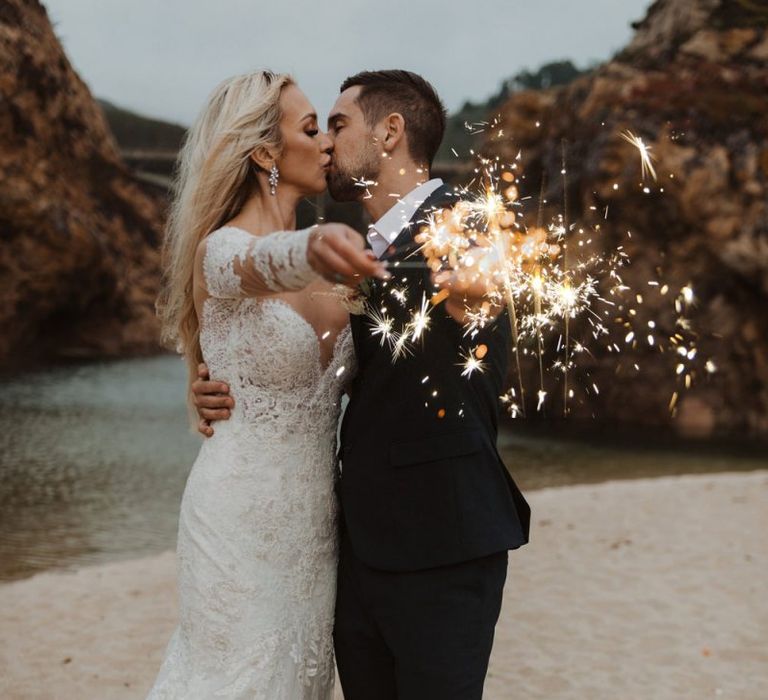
(460, 138)
(134, 131)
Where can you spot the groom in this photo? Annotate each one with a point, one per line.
(429, 510)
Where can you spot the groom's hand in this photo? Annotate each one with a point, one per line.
(468, 292)
(211, 399)
(337, 252)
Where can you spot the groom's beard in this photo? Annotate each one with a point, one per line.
(341, 178)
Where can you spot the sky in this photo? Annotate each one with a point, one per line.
(162, 58)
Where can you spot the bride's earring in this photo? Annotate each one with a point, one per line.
(274, 176)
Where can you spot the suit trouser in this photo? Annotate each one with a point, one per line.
(421, 635)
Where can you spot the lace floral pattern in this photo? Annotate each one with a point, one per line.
(257, 544)
(272, 263)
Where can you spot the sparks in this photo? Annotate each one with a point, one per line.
(560, 290)
(646, 165)
(471, 363)
(382, 325)
(420, 319)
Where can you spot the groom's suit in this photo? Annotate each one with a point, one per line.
(428, 507)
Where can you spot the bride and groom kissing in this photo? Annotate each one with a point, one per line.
(390, 551)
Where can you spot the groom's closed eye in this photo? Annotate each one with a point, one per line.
(335, 124)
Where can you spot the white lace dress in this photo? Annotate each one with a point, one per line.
(257, 543)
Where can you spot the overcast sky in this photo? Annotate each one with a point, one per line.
(163, 57)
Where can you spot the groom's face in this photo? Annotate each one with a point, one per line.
(356, 155)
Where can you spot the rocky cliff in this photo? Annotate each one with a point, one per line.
(693, 84)
(78, 235)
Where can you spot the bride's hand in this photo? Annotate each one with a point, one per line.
(337, 252)
(211, 399)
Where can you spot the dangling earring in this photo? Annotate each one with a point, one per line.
(274, 176)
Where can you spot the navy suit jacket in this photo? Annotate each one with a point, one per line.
(422, 483)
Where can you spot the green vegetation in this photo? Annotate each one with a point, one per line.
(461, 139)
(133, 131)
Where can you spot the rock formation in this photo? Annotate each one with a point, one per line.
(693, 83)
(78, 235)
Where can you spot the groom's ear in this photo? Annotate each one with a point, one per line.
(394, 131)
(263, 158)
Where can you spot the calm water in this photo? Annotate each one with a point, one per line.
(93, 461)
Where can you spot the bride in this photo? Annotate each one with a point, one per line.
(249, 296)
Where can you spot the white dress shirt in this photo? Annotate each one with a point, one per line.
(383, 233)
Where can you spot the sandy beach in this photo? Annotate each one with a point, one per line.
(652, 588)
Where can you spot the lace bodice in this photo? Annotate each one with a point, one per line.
(257, 531)
(264, 349)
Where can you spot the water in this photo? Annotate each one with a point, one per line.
(93, 461)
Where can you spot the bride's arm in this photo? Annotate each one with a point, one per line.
(236, 264)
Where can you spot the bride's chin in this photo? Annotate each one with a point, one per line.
(319, 189)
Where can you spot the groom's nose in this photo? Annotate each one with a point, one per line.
(327, 144)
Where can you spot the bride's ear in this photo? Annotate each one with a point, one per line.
(263, 159)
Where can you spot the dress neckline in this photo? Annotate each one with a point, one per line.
(311, 328)
(291, 308)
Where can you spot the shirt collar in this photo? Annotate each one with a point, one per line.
(395, 219)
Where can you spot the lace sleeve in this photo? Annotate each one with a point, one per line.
(237, 264)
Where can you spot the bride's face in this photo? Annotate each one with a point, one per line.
(306, 154)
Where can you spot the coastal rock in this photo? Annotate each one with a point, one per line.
(692, 83)
(79, 267)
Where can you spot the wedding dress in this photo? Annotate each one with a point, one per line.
(257, 541)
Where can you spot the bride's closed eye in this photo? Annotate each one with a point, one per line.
(312, 132)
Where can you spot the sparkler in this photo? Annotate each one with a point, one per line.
(544, 278)
(482, 237)
(567, 295)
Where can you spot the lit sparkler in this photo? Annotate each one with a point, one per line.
(548, 280)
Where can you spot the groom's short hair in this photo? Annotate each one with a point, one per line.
(387, 91)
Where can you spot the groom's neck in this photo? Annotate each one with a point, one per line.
(394, 181)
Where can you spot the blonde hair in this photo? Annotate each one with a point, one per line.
(215, 176)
